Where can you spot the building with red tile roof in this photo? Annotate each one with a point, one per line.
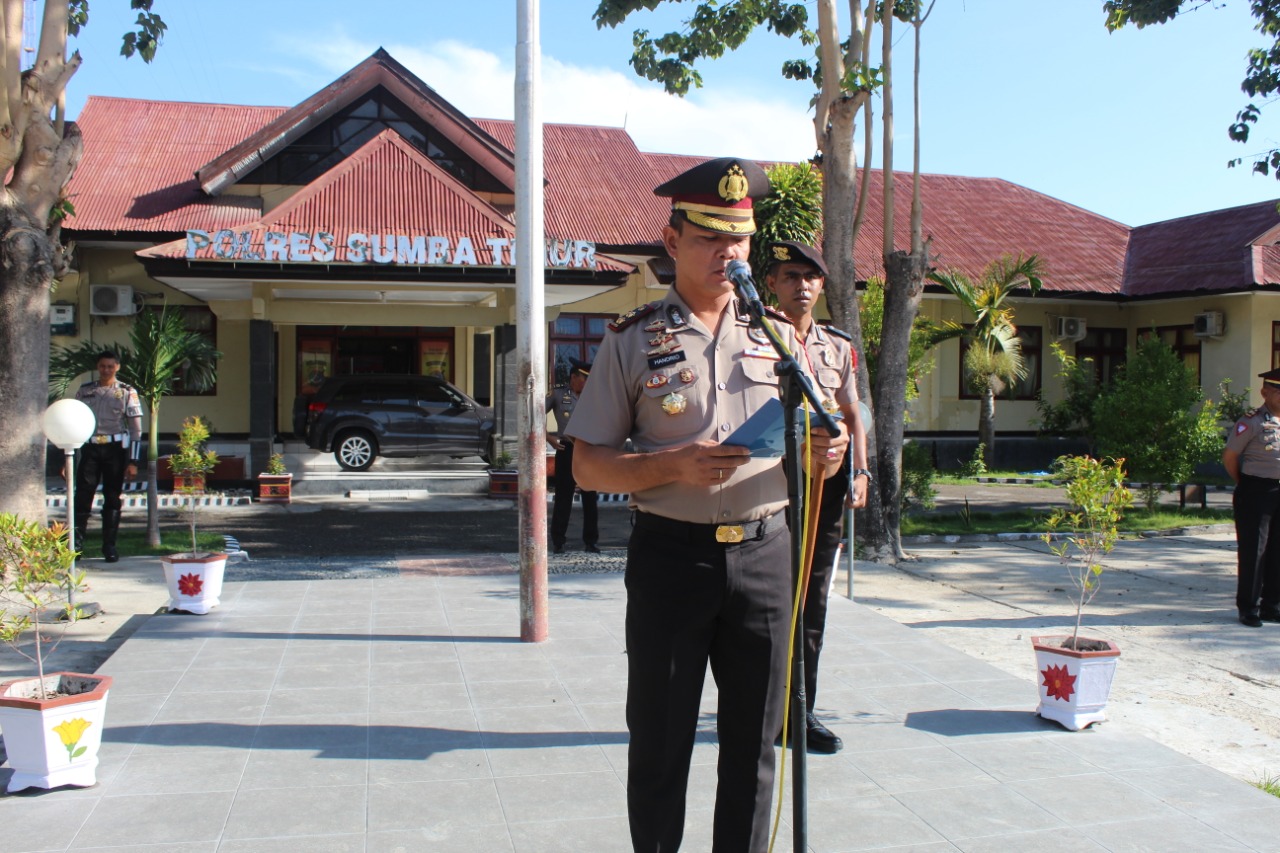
(369, 228)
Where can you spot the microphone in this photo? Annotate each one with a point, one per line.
(739, 272)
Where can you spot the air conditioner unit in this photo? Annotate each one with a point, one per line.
(1209, 324)
(111, 300)
(1071, 328)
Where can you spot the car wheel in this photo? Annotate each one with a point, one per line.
(355, 451)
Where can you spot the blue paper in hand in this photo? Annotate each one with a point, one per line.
(763, 433)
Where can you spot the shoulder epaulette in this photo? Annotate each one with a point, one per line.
(775, 314)
(625, 320)
(839, 333)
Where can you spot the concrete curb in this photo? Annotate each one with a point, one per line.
(957, 538)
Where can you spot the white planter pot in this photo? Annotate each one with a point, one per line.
(53, 742)
(195, 583)
(1074, 686)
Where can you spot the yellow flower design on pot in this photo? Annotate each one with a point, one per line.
(70, 732)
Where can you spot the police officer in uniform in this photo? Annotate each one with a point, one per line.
(796, 274)
(1252, 458)
(561, 402)
(708, 564)
(111, 454)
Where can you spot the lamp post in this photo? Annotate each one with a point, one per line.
(68, 424)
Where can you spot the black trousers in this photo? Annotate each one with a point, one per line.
(563, 506)
(693, 601)
(1256, 506)
(830, 514)
(99, 463)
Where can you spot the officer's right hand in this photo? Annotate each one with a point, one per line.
(706, 463)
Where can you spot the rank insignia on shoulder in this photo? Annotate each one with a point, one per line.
(839, 333)
(633, 315)
(775, 314)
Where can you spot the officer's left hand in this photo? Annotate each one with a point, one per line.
(826, 453)
(130, 471)
(857, 497)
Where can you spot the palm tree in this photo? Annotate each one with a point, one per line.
(162, 348)
(994, 358)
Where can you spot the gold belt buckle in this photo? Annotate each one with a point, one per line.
(730, 533)
(102, 439)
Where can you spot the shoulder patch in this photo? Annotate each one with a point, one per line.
(629, 318)
(1241, 427)
(775, 314)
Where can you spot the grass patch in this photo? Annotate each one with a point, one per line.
(953, 479)
(1270, 784)
(133, 543)
(1029, 521)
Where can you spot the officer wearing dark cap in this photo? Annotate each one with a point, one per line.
(1252, 458)
(796, 274)
(708, 565)
(561, 402)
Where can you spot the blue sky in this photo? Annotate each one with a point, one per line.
(1129, 125)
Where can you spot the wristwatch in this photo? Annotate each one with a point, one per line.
(864, 472)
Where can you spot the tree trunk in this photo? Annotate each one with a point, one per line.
(26, 274)
(903, 288)
(153, 473)
(987, 423)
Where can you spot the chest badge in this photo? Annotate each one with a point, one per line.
(687, 375)
(657, 380)
(656, 325)
(758, 335)
(830, 406)
(676, 316)
(826, 357)
(659, 340)
(664, 348)
(674, 404)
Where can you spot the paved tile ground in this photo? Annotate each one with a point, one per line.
(401, 713)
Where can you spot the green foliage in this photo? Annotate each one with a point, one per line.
(917, 477)
(190, 461)
(275, 464)
(143, 41)
(977, 464)
(502, 461)
(37, 568)
(1269, 784)
(1098, 499)
(1231, 407)
(919, 357)
(713, 28)
(1074, 415)
(791, 211)
(1262, 68)
(1154, 415)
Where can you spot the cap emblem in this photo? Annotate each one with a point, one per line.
(781, 253)
(733, 186)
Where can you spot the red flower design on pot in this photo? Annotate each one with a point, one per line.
(1058, 683)
(190, 584)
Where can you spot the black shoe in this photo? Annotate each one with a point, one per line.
(1270, 614)
(593, 548)
(110, 555)
(557, 549)
(821, 739)
(1250, 620)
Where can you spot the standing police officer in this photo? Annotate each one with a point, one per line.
(111, 454)
(707, 574)
(562, 401)
(1252, 458)
(796, 274)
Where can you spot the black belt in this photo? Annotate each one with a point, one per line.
(1259, 479)
(725, 534)
(113, 438)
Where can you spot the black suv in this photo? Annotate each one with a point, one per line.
(365, 416)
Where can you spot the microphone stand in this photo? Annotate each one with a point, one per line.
(795, 388)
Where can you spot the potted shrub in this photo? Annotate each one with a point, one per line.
(1075, 672)
(275, 485)
(194, 578)
(504, 479)
(52, 723)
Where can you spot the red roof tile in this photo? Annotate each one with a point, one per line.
(597, 184)
(973, 221)
(1223, 250)
(137, 174)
